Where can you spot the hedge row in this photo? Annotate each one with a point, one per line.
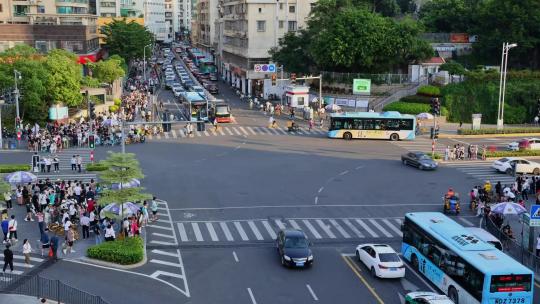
(412, 108)
(8, 168)
(416, 99)
(96, 167)
(125, 252)
(495, 131)
(520, 153)
(429, 90)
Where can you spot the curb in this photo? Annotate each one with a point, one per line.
(442, 135)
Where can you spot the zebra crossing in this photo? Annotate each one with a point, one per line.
(198, 232)
(20, 267)
(64, 157)
(420, 144)
(238, 131)
(482, 171)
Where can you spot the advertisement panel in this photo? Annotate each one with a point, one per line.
(362, 86)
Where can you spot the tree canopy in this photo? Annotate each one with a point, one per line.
(107, 71)
(127, 39)
(65, 76)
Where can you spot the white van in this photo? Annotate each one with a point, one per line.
(486, 237)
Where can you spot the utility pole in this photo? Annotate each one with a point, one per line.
(16, 92)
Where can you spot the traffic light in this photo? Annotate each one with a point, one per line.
(436, 133)
(435, 107)
(92, 110)
(293, 78)
(274, 80)
(432, 133)
(91, 141)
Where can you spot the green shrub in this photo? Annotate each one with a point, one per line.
(96, 167)
(495, 131)
(416, 99)
(520, 153)
(125, 252)
(114, 108)
(429, 90)
(117, 102)
(412, 108)
(8, 168)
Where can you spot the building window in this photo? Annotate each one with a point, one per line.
(292, 26)
(20, 10)
(292, 8)
(1, 10)
(261, 26)
(281, 23)
(260, 10)
(281, 6)
(41, 9)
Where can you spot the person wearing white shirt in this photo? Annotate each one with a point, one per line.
(85, 223)
(67, 225)
(109, 233)
(27, 249)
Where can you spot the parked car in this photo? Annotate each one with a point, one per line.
(524, 144)
(213, 77)
(211, 87)
(420, 160)
(178, 91)
(426, 297)
(294, 248)
(516, 165)
(197, 89)
(381, 260)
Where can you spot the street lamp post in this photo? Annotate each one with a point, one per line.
(502, 83)
(144, 60)
(16, 92)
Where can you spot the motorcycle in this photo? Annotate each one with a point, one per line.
(451, 204)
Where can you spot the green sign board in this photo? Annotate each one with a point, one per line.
(362, 86)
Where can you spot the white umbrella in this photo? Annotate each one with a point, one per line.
(333, 107)
(131, 184)
(508, 208)
(424, 116)
(110, 122)
(20, 177)
(114, 209)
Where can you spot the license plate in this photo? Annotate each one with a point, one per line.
(300, 264)
(393, 269)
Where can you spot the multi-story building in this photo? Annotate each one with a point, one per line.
(184, 16)
(247, 29)
(172, 18)
(207, 13)
(108, 8)
(154, 19)
(50, 24)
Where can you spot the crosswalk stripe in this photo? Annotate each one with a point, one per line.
(392, 227)
(163, 235)
(250, 129)
(150, 136)
(157, 251)
(212, 232)
(353, 228)
(312, 229)
(340, 229)
(326, 228)
(381, 228)
(206, 133)
(282, 130)
(229, 131)
(466, 221)
(173, 132)
(226, 230)
(23, 265)
(166, 134)
(274, 131)
(183, 234)
(366, 228)
(280, 224)
(241, 231)
(198, 134)
(265, 131)
(165, 263)
(398, 221)
(294, 224)
(197, 231)
(236, 131)
(181, 133)
(162, 243)
(269, 229)
(158, 136)
(255, 230)
(33, 259)
(243, 130)
(220, 131)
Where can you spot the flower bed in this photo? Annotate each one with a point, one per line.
(125, 252)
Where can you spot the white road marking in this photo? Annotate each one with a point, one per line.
(197, 231)
(183, 234)
(250, 129)
(366, 228)
(392, 227)
(381, 228)
(173, 132)
(157, 251)
(220, 131)
(165, 263)
(162, 243)
(243, 131)
(301, 206)
(206, 133)
(228, 131)
(466, 221)
(165, 273)
(226, 230)
(326, 228)
(353, 228)
(166, 135)
(23, 265)
(340, 229)
(294, 224)
(344, 172)
(163, 221)
(236, 131)
(241, 231)
(269, 229)
(33, 259)
(312, 293)
(321, 189)
(255, 230)
(316, 200)
(312, 229)
(163, 235)
(212, 232)
(251, 296)
(280, 224)
(235, 256)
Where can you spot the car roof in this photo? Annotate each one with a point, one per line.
(380, 248)
(430, 296)
(293, 233)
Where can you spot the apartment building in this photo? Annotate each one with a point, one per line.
(207, 13)
(184, 16)
(108, 8)
(246, 30)
(154, 19)
(50, 24)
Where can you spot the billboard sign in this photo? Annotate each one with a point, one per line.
(265, 68)
(362, 86)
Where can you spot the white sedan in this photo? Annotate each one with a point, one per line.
(521, 165)
(381, 260)
(421, 297)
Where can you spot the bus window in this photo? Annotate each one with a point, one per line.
(358, 124)
(406, 124)
(392, 124)
(336, 124)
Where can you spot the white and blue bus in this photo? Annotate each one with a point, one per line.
(371, 125)
(461, 265)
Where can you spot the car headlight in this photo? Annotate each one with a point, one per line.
(286, 257)
(310, 257)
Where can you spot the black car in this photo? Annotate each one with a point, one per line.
(420, 160)
(294, 248)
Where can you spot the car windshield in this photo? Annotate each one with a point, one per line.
(222, 110)
(424, 157)
(503, 160)
(296, 242)
(389, 257)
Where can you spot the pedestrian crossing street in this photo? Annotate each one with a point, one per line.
(482, 171)
(66, 173)
(20, 267)
(420, 144)
(315, 228)
(238, 131)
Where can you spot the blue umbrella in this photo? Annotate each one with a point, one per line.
(508, 208)
(131, 184)
(20, 177)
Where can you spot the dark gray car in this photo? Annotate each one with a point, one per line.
(420, 160)
(294, 248)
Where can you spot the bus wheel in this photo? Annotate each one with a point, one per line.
(453, 295)
(347, 136)
(394, 137)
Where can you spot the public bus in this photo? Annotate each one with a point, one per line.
(221, 111)
(461, 265)
(372, 125)
(196, 106)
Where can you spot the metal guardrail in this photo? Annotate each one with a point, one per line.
(40, 287)
(377, 79)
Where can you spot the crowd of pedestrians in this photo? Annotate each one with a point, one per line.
(460, 152)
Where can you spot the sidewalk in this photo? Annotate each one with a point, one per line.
(21, 299)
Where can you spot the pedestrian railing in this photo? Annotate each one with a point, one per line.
(514, 248)
(39, 287)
